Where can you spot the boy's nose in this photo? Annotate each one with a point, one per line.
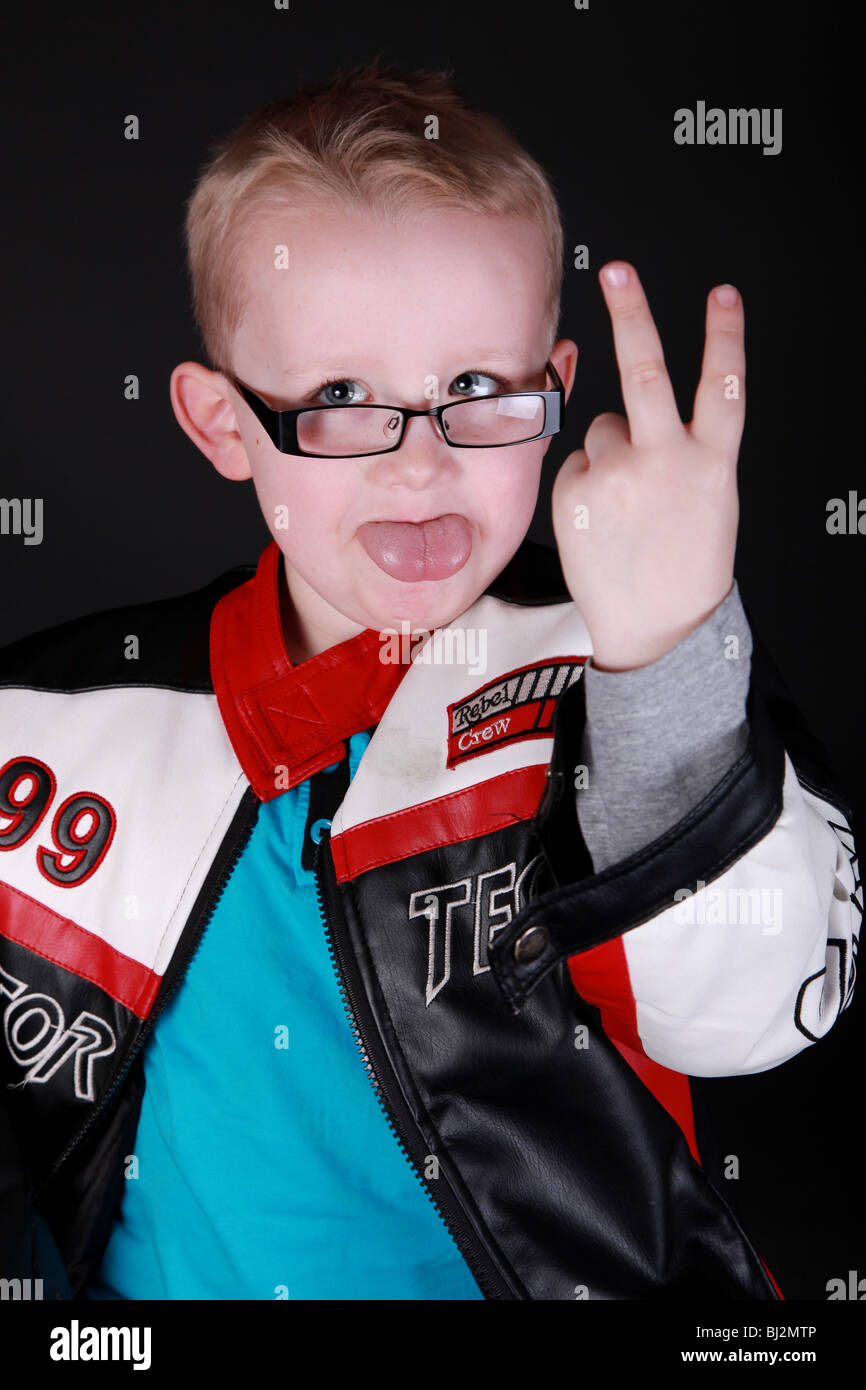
(424, 423)
(421, 454)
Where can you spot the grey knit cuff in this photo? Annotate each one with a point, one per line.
(658, 738)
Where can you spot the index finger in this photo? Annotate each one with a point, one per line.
(646, 388)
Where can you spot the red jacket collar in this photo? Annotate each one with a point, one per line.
(286, 722)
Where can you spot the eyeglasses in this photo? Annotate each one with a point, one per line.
(356, 431)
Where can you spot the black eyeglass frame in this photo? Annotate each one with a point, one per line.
(281, 426)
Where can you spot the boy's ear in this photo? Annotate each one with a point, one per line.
(563, 355)
(203, 408)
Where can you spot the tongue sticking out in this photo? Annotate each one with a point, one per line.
(415, 551)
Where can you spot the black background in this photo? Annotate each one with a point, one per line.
(95, 289)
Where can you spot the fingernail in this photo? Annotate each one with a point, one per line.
(727, 296)
(615, 276)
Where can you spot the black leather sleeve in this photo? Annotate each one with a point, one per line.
(577, 908)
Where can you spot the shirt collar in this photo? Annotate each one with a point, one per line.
(286, 722)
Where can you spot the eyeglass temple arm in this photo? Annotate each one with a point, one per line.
(554, 407)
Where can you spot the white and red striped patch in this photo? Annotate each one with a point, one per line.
(515, 706)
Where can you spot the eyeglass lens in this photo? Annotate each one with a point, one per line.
(370, 429)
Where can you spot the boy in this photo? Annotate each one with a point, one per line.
(278, 839)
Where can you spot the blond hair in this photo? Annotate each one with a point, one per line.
(358, 137)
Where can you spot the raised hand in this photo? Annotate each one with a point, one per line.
(645, 514)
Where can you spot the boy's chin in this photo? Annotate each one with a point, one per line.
(425, 606)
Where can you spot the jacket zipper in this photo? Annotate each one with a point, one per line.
(387, 1087)
(232, 847)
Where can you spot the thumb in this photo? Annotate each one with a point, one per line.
(576, 464)
(567, 491)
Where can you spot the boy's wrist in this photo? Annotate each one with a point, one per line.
(647, 649)
(657, 658)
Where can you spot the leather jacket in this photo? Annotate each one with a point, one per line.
(529, 1026)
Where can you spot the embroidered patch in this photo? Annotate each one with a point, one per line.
(515, 706)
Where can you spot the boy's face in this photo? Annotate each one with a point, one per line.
(381, 309)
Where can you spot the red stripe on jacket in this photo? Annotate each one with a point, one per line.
(58, 939)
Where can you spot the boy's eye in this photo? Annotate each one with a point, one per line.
(346, 391)
(341, 391)
(463, 385)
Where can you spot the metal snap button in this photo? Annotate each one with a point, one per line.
(531, 944)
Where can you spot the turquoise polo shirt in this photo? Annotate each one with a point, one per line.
(265, 1166)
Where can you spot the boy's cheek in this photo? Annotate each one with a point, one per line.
(288, 505)
(511, 493)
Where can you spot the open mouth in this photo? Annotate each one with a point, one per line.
(415, 551)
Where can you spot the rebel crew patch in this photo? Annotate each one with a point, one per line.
(514, 706)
